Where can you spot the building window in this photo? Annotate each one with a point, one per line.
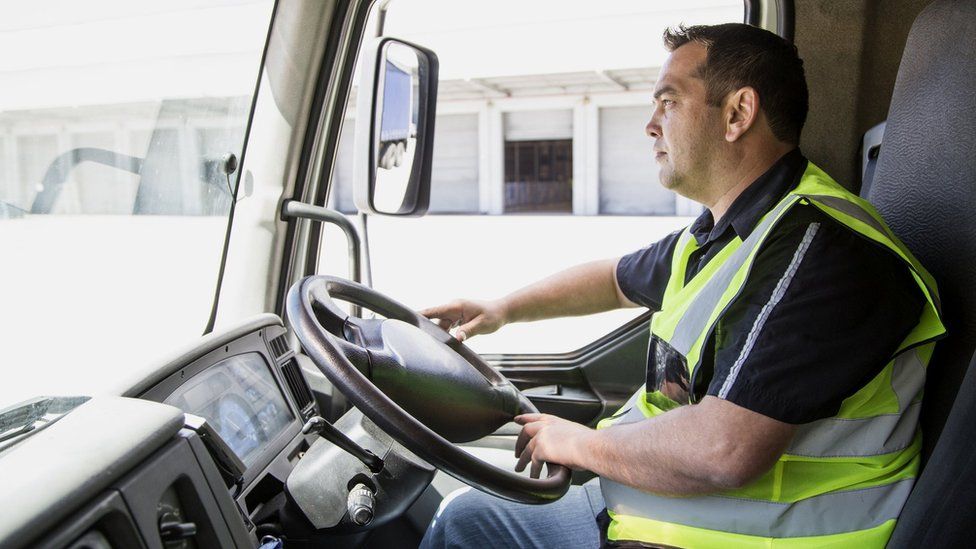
(539, 176)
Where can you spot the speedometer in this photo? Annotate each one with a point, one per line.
(235, 423)
(240, 398)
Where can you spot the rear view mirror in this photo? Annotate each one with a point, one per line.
(395, 128)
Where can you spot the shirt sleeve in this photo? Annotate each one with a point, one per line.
(822, 314)
(643, 275)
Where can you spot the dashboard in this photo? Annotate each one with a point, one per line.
(206, 450)
(251, 390)
(133, 470)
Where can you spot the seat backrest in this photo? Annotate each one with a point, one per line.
(925, 181)
(925, 187)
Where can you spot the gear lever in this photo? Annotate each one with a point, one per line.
(326, 430)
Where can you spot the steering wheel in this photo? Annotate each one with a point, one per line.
(416, 382)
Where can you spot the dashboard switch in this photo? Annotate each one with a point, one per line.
(360, 504)
(171, 531)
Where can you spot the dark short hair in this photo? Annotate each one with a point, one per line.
(740, 55)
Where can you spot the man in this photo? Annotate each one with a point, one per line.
(788, 345)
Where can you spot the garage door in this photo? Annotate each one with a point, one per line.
(628, 176)
(454, 176)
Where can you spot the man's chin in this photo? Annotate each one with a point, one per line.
(667, 179)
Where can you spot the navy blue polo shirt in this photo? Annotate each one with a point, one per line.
(791, 353)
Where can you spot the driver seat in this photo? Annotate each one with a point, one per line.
(925, 187)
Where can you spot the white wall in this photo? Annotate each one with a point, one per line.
(537, 125)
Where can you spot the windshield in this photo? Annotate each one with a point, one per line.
(32, 415)
(120, 122)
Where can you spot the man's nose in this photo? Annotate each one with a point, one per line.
(653, 129)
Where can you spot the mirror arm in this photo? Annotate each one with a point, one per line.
(381, 17)
(293, 209)
(59, 169)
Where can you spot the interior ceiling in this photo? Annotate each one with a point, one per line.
(851, 50)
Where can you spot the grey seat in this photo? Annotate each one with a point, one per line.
(925, 187)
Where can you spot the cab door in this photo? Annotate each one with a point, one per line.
(540, 162)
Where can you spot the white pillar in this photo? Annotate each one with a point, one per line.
(492, 159)
(580, 131)
(592, 181)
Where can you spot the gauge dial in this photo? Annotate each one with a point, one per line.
(236, 426)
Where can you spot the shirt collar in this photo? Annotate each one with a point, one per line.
(754, 202)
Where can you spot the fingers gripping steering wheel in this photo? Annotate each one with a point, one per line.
(416, 382)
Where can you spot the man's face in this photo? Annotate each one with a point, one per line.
(685, 128)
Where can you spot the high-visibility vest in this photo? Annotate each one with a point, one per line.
(843, 480)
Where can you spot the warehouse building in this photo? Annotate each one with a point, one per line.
(566, 143)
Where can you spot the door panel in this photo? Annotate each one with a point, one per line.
(587, 385)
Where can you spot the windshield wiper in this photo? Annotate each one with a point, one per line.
(59, 169)
(9, 210)
(33, 414)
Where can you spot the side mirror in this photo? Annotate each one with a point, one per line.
(395, 128)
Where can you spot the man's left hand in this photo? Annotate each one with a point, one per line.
(547, 438)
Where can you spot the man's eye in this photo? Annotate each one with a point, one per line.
(663, 103)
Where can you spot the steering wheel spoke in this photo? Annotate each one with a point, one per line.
(364, 332)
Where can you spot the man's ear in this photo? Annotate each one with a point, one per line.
(741, 112)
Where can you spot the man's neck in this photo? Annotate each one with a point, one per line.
(741, 173)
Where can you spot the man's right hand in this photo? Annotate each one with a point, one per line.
(470, 317)
(581, 290)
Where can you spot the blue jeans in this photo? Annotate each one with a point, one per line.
(471, 518)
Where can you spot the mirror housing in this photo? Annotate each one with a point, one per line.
(394, 142)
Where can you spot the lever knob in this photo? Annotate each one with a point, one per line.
(360, 504)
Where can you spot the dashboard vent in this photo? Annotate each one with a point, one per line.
(279, 346)
(298, 386)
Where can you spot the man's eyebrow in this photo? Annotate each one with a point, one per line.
(664, 90)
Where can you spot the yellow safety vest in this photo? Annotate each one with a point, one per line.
(843, 480)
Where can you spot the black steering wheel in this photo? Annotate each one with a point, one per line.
(416, 382)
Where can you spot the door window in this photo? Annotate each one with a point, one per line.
(541, 110)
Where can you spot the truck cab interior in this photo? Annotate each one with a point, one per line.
(316, 411)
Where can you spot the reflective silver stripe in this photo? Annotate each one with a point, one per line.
(850, 209)
(778, 292)
(840, 437)
(870, 436)
(873, 436)
(678, 254)
(695, 320)
(907, 377)
(631, 412)
(683, 241)
(831, 513)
